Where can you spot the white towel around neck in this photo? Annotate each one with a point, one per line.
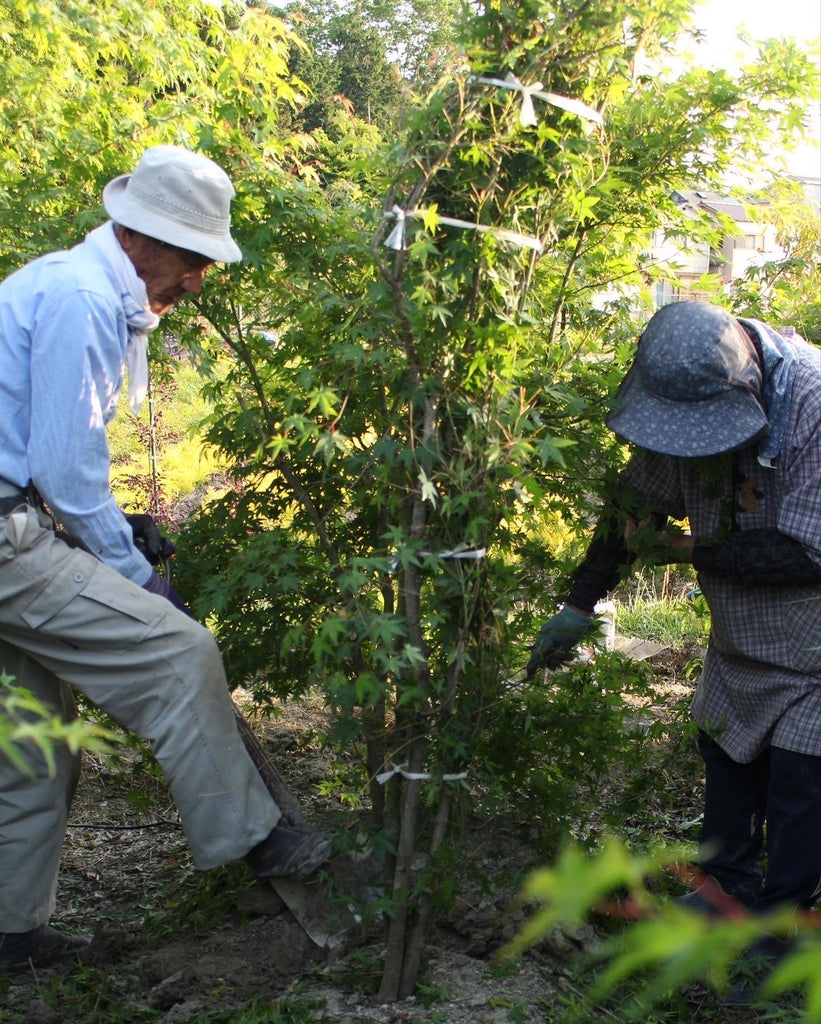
(138, 314)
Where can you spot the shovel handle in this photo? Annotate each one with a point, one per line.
(283, 797)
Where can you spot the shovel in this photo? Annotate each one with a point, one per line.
(325, 904)
(327, 920)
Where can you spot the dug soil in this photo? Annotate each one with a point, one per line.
(173, 945)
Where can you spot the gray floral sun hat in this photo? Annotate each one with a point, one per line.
(694, 386)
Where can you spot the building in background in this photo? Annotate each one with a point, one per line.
(746, 241)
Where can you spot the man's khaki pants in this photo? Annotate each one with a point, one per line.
(66, 621)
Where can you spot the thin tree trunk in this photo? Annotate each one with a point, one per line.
(376, 750)
(402, 879)
(418, 745)
(419, 932)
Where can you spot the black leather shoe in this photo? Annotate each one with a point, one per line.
(289, 852)
(37, 949)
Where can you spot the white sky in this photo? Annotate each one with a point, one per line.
(762, 19)
(721, 20)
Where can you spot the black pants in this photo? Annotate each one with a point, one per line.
(781, 788)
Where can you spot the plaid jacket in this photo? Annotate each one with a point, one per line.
(761, 683)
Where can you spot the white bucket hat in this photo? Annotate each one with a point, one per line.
(177, 197)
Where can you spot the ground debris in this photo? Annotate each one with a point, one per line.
(123, 869)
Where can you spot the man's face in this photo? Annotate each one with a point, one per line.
(168, 272)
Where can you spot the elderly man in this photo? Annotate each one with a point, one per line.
(91, 613)
(726, 414)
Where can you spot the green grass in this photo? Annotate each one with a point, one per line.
(192, 901)
(670, 622)
(284, 1011)
(92, 996)
(663, 607)
(86, 995)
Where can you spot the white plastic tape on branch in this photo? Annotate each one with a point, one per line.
(396, 239)
(527, 114)
(401, 769)
(461, 553)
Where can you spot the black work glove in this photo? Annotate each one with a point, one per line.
(557, 638)
(148, 540)
(156, 584)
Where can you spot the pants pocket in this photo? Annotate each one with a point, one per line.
(87, 604)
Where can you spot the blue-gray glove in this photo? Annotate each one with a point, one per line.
(557, 638)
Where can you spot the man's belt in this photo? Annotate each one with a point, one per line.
(10, 497)
(8, 505)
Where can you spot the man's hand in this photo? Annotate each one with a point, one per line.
(557, 638)
(148, 539)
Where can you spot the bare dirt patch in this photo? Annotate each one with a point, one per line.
(174, 945)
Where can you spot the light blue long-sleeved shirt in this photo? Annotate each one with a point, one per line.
(63, 341)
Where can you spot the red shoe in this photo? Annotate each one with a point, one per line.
(710, 899)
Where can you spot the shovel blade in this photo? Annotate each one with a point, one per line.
(325, 906)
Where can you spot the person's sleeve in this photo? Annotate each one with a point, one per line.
(759, 558)
(76, 365)
(647, 492)
(607, 560)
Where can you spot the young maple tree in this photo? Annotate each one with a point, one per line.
(415, 402)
